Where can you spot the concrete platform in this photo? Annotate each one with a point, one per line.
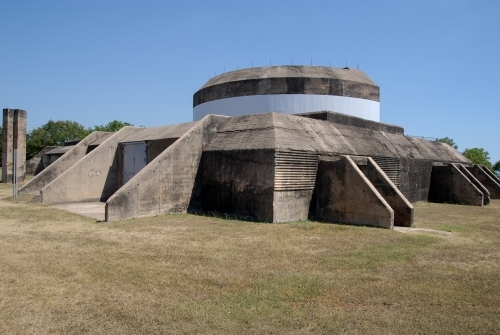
(421, 230)
(94, 210)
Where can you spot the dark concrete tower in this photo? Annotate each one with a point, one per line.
(13, 137)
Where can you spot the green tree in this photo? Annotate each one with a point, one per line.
(449, 141)
(478, 156)
(496, 167)
(53, 133)
(114, 125)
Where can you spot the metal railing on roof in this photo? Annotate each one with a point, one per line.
(425, 137)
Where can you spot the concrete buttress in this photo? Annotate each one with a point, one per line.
(62, 164)
(450, 185)
(165, 185)
(92, 178)
(487, 180)
(403, 209)
(344, 194)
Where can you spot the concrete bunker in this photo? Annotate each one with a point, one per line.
(264, 167)
(268, 166)
(239, 165)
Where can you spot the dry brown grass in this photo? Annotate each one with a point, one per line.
(61, 273)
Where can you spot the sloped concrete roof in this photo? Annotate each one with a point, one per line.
(59, 150)
(278, 80)
(101, 139)
(63, 149)
(291, 72)
(289, 132)
(158, 133)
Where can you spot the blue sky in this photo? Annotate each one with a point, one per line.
(436, 62)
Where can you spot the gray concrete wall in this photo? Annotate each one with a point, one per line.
(290, 206)
(156, 147)
(415, 178)
(344, 194)
(486, 180)
(166, 184)
(92, 178)
(59, 166)
(240, 183)
(450, 185)
(403, 209)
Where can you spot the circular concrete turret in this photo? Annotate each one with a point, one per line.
(290, 90)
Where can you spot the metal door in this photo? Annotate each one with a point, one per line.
(134, 159)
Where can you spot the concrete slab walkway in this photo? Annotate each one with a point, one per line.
(421, 230)
(93, 210)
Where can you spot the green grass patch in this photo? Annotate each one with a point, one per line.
(404, 248)
(184, 274)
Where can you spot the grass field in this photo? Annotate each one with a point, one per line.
(61, 273)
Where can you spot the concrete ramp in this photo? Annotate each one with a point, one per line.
(344, 194)
(486, 179)
(94, 210)
(57, 168)
(92, 178)
(450, 185)
(166, 184)
(403, 209)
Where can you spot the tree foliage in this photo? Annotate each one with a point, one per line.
(478, 156)
(58, 132)
(112, 126)
(449, 141)
(53, 133)
(496, 167)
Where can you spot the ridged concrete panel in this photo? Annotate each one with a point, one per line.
(295, 171)
(391, 167)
